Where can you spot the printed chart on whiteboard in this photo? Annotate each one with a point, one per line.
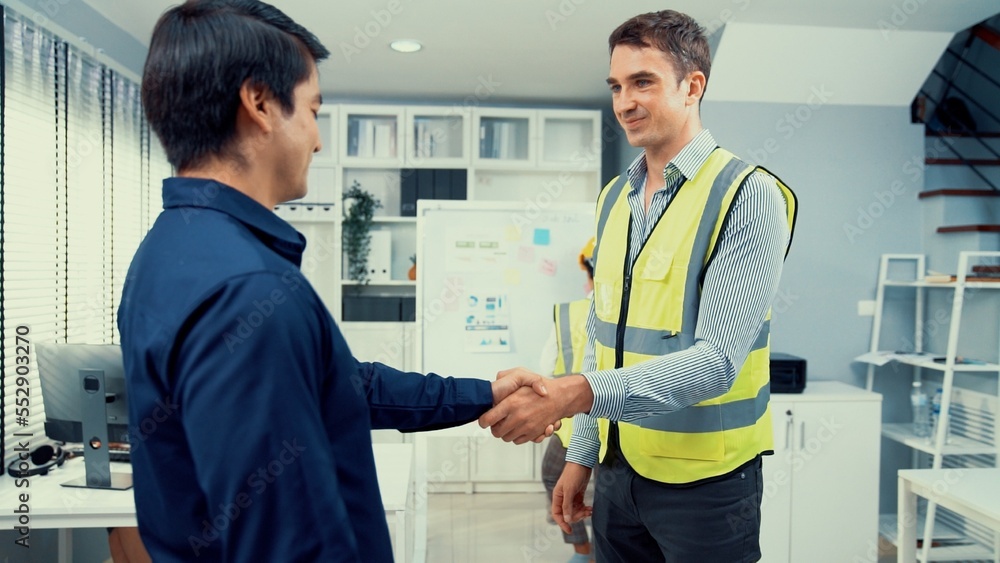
(487, 324)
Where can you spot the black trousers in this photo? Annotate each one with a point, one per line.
(640, 520)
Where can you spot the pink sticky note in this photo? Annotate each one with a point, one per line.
(548, 267)
(526, 254)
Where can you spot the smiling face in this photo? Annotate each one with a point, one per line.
(657, 109)
(296, 138)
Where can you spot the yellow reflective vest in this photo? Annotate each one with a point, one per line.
(571, 342)
(653, 311)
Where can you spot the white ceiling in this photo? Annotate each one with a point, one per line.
(874, 52)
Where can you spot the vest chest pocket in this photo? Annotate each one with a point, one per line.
(607, 297)
(657, 299)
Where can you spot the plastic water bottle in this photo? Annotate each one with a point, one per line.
(936, 417)
(921, 412)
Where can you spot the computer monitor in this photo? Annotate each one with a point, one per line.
(85, 400)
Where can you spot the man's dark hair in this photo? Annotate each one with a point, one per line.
(676, 34)
(200, 55)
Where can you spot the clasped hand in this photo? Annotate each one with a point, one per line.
(528, 408)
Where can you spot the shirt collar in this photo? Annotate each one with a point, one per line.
(688, 161)
(201, 193)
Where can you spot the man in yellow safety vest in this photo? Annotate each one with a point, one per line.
(690, 246)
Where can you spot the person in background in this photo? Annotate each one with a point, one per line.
(691, 242)
(563, 354)
(258, 446)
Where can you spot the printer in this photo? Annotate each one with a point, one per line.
(788, 373)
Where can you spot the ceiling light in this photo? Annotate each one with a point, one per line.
(406, 46)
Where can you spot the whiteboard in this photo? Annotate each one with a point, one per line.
(522, 253)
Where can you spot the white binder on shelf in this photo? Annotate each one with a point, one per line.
(380, 256)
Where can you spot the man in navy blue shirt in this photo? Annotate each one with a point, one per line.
(252, 419)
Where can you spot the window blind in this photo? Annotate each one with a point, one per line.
(80, 178)
(30, 235)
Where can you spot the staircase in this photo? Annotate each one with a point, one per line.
(960, 107)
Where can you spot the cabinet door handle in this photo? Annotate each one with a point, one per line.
(788, 430)
(802, 436)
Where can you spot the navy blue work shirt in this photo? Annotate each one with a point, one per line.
(251, 420)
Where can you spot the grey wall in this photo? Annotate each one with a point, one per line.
(856, 172)
(84, 22)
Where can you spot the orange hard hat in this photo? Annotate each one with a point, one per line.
(587, 254)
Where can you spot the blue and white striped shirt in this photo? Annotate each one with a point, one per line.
(738, 290)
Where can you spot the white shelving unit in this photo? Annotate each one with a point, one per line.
(547, 155)
(971, 416)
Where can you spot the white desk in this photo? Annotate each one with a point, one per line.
(973, 493)
(394, 467)
(55, 506)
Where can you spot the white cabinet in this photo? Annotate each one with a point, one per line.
(820, 498)
(438, 137)
(506, 138)
(569, 140)
(392, 344)
(371, 136)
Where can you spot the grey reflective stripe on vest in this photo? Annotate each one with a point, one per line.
(638, 340)
(711, 418)
(699, 250)
(609, 202)
(565, 338)
(657, 342)
(765, 332)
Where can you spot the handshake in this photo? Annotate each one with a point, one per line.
(528, 407)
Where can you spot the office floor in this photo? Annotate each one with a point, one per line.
(496, 528)
(488, 528)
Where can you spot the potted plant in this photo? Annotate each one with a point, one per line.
(359, 208)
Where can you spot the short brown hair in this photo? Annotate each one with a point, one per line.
(676, 34)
